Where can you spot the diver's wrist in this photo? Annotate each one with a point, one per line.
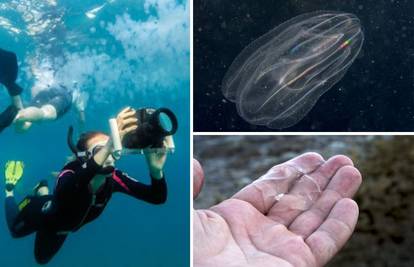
(157, 173)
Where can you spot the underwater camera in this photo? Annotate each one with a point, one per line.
(154, 127)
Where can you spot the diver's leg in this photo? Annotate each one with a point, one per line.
(33, 114)
(17, 102)
(7, 117)
(49, 112)
(12, 210)
(8, 76)
(17, 226)
(30, 114)
(47, 244)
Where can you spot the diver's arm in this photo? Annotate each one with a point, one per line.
(80, 100)
(156, 161)
(104, 153)
(156, 174)
(155, 193)
(80, 112)
(125, 122)
(82, 118)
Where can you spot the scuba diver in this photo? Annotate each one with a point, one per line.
(83, 188)
(50, 103)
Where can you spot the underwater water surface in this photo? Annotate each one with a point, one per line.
(119, 53)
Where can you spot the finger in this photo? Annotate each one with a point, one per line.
(124, 110)
(344, 184)
(261, 193)
(129, 121)
(122, 123)
(130, 112)
(164, 143)
(198, 178)
(120, 117)
(330, 237)
(127, 114)
(306, 190)
(128, 130)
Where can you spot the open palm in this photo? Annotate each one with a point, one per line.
(254, 228)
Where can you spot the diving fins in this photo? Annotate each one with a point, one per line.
(13, 172)
(8, 72)
(7, 116)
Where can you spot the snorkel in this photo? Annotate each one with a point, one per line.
(80, 155)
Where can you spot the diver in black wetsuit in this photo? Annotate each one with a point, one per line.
(83, 189)
(49, 103)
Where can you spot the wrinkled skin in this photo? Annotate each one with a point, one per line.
(246, 230)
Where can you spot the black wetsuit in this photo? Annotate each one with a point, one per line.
(8, 76)
(8, 72)
(72, 205)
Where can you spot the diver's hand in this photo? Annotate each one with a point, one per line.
(156, 160)
(253, 229)
(127, 122)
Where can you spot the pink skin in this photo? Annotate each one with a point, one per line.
(198, 178)
(250, 230)
(97, 139)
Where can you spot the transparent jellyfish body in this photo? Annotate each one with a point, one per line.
(277, 79)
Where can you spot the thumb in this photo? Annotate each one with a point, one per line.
(198, 178)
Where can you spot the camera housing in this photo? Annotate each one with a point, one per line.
(153, 126)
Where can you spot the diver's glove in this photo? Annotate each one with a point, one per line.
(13, 173)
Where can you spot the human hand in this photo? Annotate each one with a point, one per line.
(306, 225)
(156, 159)
(126, 121)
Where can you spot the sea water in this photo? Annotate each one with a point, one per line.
(120, 53)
